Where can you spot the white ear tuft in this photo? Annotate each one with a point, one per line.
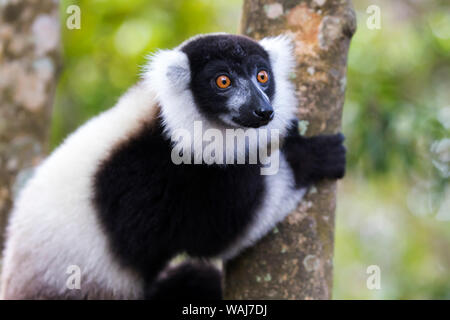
(281, 52)
(167, 72)
(282, 59)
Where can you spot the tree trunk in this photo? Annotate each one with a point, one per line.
(295, 261)
(29, 60)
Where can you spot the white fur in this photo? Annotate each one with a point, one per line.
(282, 59)
(172, 92)
(281, 199)
(53, 224)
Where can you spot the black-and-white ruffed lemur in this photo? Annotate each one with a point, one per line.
(111, 200)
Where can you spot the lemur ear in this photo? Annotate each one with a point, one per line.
(281, 53)
(167, 71)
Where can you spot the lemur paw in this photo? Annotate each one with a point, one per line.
(315, 158)
(329, 154)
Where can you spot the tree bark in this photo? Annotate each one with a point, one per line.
(295, 261)
(29, 61)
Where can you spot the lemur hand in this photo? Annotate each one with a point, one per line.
(316, 158)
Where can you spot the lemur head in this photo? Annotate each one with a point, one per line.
(225, 81)
(231, 80)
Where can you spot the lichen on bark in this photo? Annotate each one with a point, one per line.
(295, 260)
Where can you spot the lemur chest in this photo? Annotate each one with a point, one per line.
(144, 200)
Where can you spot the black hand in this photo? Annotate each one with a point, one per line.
(315, 158)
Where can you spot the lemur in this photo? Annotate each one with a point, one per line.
(111, 200)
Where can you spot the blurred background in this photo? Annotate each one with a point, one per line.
(394, 205)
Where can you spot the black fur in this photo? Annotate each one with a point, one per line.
(188, 281)
(232, 55)
(314, 158)
(153, 209)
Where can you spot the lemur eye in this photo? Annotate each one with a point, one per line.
(262, 76)
(223, 81)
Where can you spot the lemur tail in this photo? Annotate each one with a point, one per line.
(188, 281)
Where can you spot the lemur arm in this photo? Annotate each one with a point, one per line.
(314, 158)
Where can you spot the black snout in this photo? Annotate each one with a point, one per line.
(264, 113)
(257, 111)
(255, 118)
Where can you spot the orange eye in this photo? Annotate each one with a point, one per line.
(263, 76)
(223, 82)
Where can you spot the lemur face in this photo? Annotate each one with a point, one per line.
(231, 80)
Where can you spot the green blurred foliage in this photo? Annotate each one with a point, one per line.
(104, 57)
(398, 80)
(394, 206)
